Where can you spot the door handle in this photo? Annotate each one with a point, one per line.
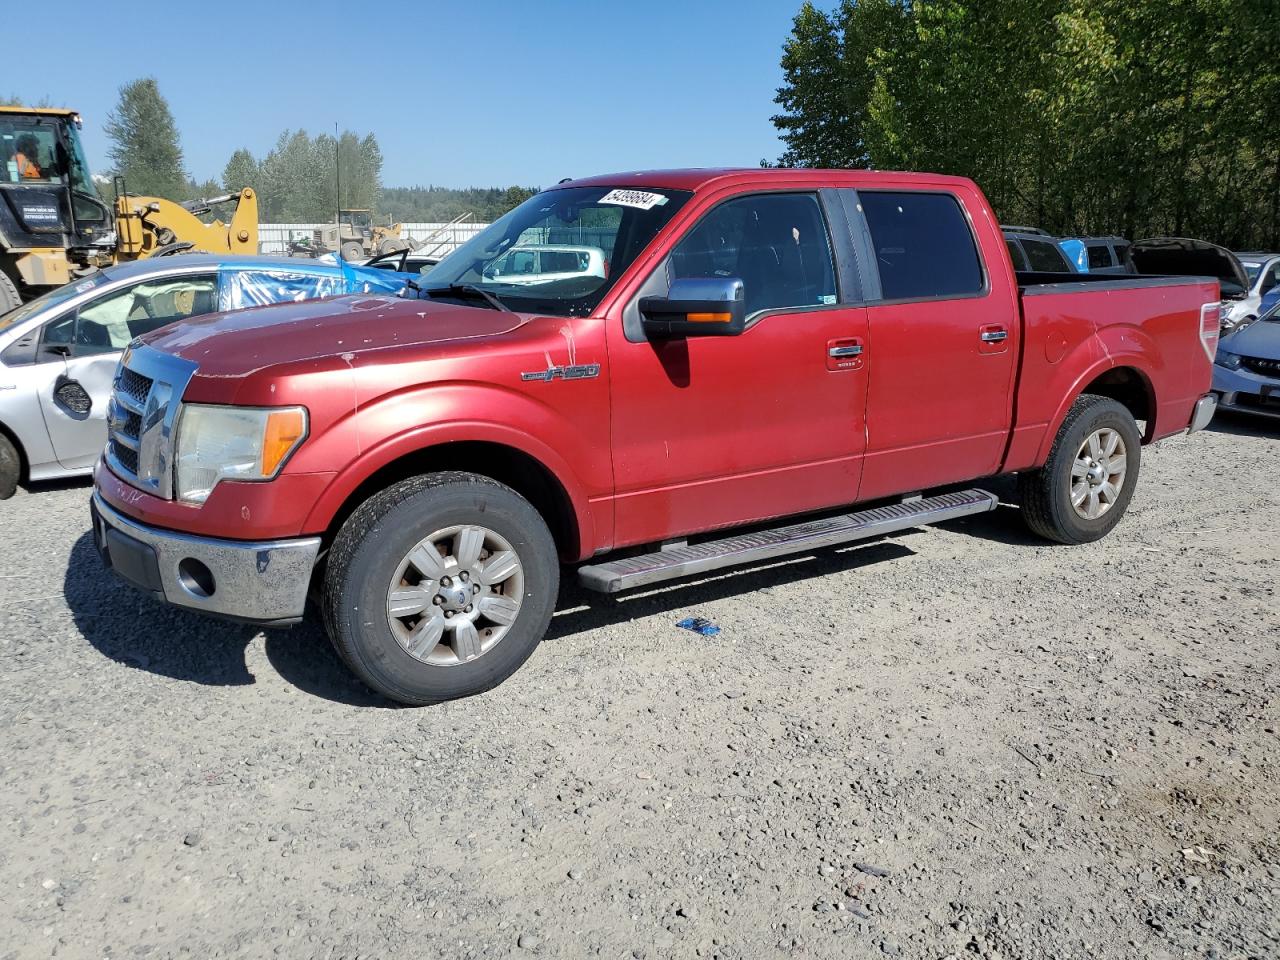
(994, 336)
(848, 350)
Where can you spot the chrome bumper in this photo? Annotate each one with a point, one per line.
(1204, 410)
(263, 582)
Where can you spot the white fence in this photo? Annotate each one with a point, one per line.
(440, 238)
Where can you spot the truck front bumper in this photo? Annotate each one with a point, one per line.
(261, 582)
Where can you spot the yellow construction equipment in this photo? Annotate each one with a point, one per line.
(155, 227)
(55, 226)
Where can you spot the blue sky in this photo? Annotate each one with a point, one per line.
(457, 93)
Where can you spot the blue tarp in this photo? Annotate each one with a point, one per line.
(246, 288)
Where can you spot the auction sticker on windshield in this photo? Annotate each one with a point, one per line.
(640, 199)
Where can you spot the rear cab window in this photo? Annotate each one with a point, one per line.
(923, 245)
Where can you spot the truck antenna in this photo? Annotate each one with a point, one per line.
(337, 182)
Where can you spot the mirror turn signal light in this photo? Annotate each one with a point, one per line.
(709, 317)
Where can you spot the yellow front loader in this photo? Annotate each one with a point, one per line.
(155, 227)
(55, 226)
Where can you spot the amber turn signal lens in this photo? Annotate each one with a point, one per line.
(284, 429)
(709, 317)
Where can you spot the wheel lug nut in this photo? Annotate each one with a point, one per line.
(465, 577)
(446, 582)
(468, 608)
(475, 588)
(436, 600)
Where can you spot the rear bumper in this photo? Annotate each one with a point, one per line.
(262, 582)
(1203, 412)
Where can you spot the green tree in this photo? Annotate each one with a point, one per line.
(144, 142)
(241, 171)
(1080, 116)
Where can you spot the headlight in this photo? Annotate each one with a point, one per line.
(233, 443)
(1226, 359)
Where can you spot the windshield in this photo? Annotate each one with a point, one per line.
(1251, 270)
(559, 252)
(55, 296)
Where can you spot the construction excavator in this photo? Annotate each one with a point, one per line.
(56, 227)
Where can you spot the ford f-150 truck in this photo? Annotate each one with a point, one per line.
(761, 350)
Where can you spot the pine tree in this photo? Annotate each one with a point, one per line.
(241, 171)
(144, 142)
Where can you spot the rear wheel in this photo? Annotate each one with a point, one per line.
(1086, 484)
(440, 587)
(352, 251)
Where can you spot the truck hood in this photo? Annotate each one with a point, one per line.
(240, 342)
(1259, 339)
(1183, 257)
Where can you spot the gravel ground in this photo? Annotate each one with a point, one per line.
(954, 742)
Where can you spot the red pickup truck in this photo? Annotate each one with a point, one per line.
(613, 375)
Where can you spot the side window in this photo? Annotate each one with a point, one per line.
(106, 325)
(777, 244)
(1272, 278)
(1015, 254)
(257, 288)
(923, 245)
(1045, 257)
(1099, 256)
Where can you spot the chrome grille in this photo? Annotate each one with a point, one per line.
(1268, 368)
(124, 419)
(134, 386)
(144, 405)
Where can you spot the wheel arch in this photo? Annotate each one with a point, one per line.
(1125, 381)
(566, 514)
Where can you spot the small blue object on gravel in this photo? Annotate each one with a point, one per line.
(699, 625)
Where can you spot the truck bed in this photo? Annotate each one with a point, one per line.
(1076, 329)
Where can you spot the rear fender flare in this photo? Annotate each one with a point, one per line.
(1133, 361)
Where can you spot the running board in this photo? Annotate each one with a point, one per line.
(684, 561)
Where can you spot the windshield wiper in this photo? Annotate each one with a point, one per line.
(467, 289)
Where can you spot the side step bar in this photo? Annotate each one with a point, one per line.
(684, 561)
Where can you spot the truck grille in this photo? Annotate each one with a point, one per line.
(1268, 368)
(141, 415)
(128, 401)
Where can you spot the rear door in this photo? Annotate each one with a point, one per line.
(942, 343)
(714, 431)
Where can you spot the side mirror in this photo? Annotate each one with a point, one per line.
(696, 307)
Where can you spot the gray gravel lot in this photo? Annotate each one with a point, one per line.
(958, 741)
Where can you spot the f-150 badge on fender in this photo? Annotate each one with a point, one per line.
(580, 371)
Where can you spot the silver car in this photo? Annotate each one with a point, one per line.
(58, 353)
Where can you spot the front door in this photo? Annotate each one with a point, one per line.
(715, 431)
(78, 354)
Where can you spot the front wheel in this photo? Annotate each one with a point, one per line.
(10, 468)
(440, 587)
(1085, 486)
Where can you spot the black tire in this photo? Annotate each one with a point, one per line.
(10, 468)
(1046, 493)
(9, 299)
(379, 535)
